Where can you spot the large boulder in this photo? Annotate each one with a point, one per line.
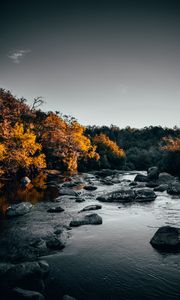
(153, 174)
(141, 178)
(92, 219)
(166, 238)
(91, 207)
(122, 195)
(174, 188)
(21, 294)
(145, 194)
(18, 209)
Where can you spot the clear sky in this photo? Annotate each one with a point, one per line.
(104, 62)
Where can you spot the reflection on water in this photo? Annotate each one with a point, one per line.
(37, 190)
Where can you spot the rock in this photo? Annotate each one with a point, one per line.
(25, 181)
(123, 195)
(91, 207)
(174, 188)
(152, 184)
(166, 238)
(19, 294)
(79, 200)
(165, 178)
(27, 275)
(54, 243)
(161, 188)
(153, 174)
(107, 182)
(92, 219)
(67, 297)
(55, 209)
(133, 183)
(90, 188)
(141, 178)
(145, 194)
(18, 209)
(68, 192)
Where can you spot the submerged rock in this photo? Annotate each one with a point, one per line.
(18, 209)
(166, 238)
(29, 275)
(20, 294)
(141, 178)
(67, 297)
(91, 207)
(92, 219)
(174, 188)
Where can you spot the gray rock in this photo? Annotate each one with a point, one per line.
(57, 209)
(90, 187)
(153, 174)
(166, 238)
(79, 200)
(107, 182)
(174, 188)
(27, 275)
(68, 192)
(18, 209)
(105, 172)
(122, 195)
(145, 194)
(21, 294)
(54, 243)
(165, 178)
(67, 297)
(91, 207)
(141, 178)
(161, 188)
(152, 184)
(92, 219)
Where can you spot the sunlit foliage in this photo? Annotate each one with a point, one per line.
(171, 144)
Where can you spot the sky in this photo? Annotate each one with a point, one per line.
(103, 62)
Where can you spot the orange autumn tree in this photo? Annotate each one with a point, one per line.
(110, 153)
(171, 144)
(19, 150)
(63, 140)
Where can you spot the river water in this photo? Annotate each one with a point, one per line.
(115, 260)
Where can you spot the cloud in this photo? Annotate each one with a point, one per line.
(18, 55)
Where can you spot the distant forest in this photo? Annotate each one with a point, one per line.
(32, 140)
(146, 147)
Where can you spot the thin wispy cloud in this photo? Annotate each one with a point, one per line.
(17, 56)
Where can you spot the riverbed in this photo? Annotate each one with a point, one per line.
(115, 260)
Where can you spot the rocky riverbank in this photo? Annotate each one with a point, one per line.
(30, 232)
